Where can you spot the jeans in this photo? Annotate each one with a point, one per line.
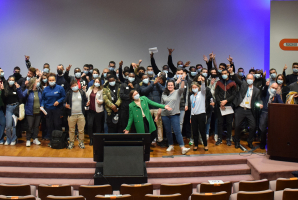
(94, 122)
(2, 125)
(182, 113)
(170, 122)
(33, 123)
(158, 124)
(10, 125)
(78, 120)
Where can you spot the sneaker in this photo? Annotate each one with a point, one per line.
(190, 142)
(170, 148)
(231, 139)
(229, 142)
(28, 143)
(81, 145)
(185, 150)
(6, 143)
(35, 141)
(71, 145)
(218, 142)
(215, 137)
(207, 137)
(13, 143)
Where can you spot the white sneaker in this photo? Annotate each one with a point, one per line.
(170, 148)
(215, 137)
(28, 143)
(231, 139)
(185, 150)
(13, 143)
(1, 143)
(207, 137)
(36, 141)
(6, 143)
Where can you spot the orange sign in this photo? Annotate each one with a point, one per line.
(289, 44)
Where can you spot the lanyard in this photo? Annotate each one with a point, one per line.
(248, 92)
(194, 102)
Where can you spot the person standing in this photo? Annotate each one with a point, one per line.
(2, 116)
(291, 78)
(282, 89)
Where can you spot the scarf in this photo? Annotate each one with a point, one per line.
(290, 98)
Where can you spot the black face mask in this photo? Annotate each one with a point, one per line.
(60, 72)
(16, 75)
(141, 74)
(199, 82)
(213, 76)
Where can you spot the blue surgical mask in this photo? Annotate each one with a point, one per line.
(240, 73)
(126, 77)
(96, 84)
(75, 88)
(78, 75)
(105, 75)
(193, 73)
(165, 71)
(28, 78)
(219, 70)
(205, 74)
(249, 81)
(46, 70)
(112, 83)
(146, 81)
(136, 97)
(91, 71)
(273, 75)
(95, 75)
(38, 84)
(117, 75)
(131, 79)
(280, 82)
(111, 69)
(150, 72)
(45, 80)
(257, 75)
(86, 72)
(180, 66)
(199, 70)
(224, 77)
(195, 90)
(273, 91)
(52, 83)
(2, 74)
(295, 70)
(11, 83)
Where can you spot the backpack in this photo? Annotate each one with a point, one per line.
(59, 140)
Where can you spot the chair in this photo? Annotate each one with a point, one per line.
(51, 197)
(28, 197)
(124, 196)
(258, 195)
(137, 191)
(282, 183)
(287, 194)
(90, 191)
(249, 186)
(207, 188)
(17, 190)
(163, 197)
(184, 189)
(210, 196)
(55, 190)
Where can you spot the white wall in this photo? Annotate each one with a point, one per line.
(97, 31)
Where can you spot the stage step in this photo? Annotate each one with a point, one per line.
(198, 171)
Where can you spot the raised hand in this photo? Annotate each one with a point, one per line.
(230, 68)
(83, 75)
(68, 68)
(230, 59)
(264, 74)
(285, 67)
(205, 58)
(187, 64)
(213, 55)
(140, 61)
(151, 55)
(16, 84)
(120, 63)
(67, 106)
(170, 51)
(27, 57)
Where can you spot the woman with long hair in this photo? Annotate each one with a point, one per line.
(282, 88)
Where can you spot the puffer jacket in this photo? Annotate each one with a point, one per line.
(152, 92)
(29, 99)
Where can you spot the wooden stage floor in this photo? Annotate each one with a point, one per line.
(43, 150)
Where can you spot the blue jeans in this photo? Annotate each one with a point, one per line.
(2, 125)
(174, 122)
(182, 113)
(11, 133)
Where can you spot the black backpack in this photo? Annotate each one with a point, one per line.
(59, 140)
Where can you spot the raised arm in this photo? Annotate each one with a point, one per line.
(28, 63)
(170, 61)
(153, 64)
(121, 72)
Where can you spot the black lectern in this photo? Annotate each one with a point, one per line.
(121, 158)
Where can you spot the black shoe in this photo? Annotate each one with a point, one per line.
(91, 142)
(262, 146)
(195, 149)
(237, 145)
(161, 144)
(229, 142)
(250, 145)
(218, 142)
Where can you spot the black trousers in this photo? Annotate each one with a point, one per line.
(263, 127)
(240, 115)
(186, 130)
(94, 122)
(198, 123)
(33, 123)
(229, 121)
(53, 121)
(124, 116)
(113, 128)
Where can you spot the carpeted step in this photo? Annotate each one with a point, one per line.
(156, 182)
(47, 162)
(39, 172)
(197, 171)
(196, 161)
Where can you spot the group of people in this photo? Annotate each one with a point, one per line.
(180, 99)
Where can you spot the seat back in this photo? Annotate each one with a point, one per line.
(51, 197)
(137, 191)
(210, 196)
(259, 195)
(28, 197)
(15, 190)
(90, 191)
(290, 194)
(184, 189)
(207, 187)
(55, 190)
(163, 197)
(258, 185)
(282, 183)
(124, 196)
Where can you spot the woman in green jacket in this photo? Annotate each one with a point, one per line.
(139, 113)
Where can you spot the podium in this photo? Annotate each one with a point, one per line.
(121, 158)
(283, 132)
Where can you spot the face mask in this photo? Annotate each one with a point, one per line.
(45, 80)
(60, 72)
(146, 81)
(38, 84)
(105, 75)
(219, 70)
(257, 75)
(249, 81)
(180, 66)
(75, 88)
(78, 75)
(205, 74)
(240, 73)
(165, 71)
(117, 75)
(28, 78)
(112, 83)
(2, 74)
(95, 75)
(193, 73)
(179, 76)
(126, 77)
(86, 72)
(195, 90)
(273, 76)
(141, 74)
(280, 82)
(52, 83)
(295, 70)
(91, 71)
(96, 84)
(199, 82)
(16, 74)
(273, 91)
(224, 77)
(150, 72)
(199, 70)
(11, 83)
(213, 76)
(46, 70)
(111, 69)
(136, 97)
(131, 79)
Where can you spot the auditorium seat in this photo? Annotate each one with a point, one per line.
(51, 197)
(163, 197)
(282, 183)
(210, 196)
(185, 189)
(257, 195)
(137, 191)
(287, 194)
(247, 186)
(27, 197)
(208, 187)
(55, 190)
(124, 196)
(17, 190)
(90, 191)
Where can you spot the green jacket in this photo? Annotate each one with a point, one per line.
(135, 115)
(107, 97)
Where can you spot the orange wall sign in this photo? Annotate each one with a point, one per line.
(289, 44)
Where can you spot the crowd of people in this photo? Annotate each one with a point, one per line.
(175, 100)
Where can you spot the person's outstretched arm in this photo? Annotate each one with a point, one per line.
(170, 61)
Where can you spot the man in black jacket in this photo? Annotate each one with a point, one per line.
(165, 68)
(291, 78)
